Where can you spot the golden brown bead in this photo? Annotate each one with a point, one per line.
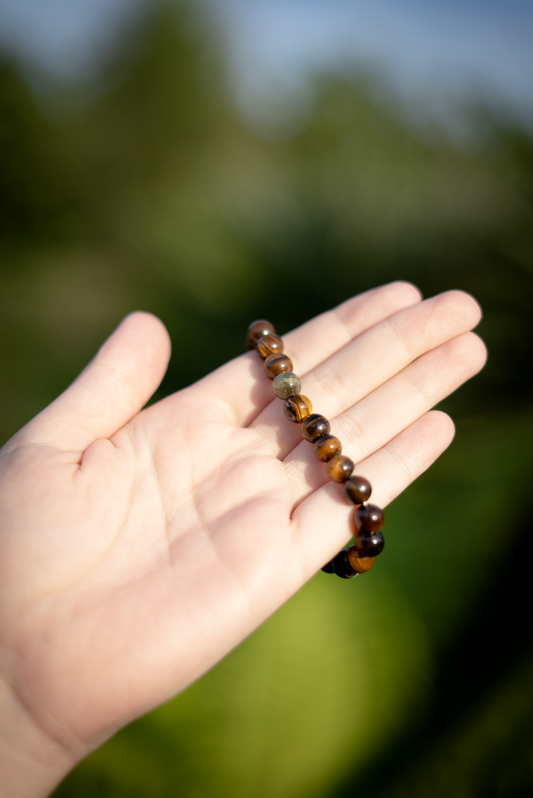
(269, 345)
(314, 426)
(326, 447)
(359, 564)
(298, 407)
(339, 468)
(277, 364)
(369, 518)
(357, 490)
(257, 330)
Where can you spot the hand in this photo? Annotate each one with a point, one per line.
(138, 547)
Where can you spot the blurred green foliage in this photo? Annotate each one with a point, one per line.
(151, 191)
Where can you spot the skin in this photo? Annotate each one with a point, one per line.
(138, 547)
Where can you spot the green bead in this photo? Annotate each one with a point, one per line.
(286, 384)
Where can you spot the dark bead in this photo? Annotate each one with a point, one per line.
(314, 426)
(297, 407)
(360, 564)
(328, 568)
(369, 544)
(342, 567)
(257, 330)
(326, 447)
(369, 517)
(339, 468)
(277, 364)
(269, 345)
(357, 490)
(286, 384)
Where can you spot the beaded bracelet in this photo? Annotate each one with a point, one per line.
(367, 519)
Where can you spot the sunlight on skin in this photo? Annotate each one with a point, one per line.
(138, 547)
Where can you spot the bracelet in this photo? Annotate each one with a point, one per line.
(367, 519)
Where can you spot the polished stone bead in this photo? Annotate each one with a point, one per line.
(360, 564)
(339, 468)
(369, 544)
(357, 490)
(342, 567)
(286, 384)
(369, 517)
(297, 407)
(326, 447)
(257, 330)
(269, 345)
(277, 364)
(328, 568)
(314, 426)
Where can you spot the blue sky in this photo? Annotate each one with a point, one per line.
(427, 45)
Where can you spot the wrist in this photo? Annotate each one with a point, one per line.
(31, 762)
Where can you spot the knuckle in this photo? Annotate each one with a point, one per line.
(332, 383)
(401, 462)
(401, 337)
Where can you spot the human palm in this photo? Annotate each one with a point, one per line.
(137, 547)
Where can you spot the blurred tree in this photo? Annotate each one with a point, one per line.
(36, 186)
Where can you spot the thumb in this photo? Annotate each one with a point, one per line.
(116, 384)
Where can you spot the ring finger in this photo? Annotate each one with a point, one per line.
(386, 412)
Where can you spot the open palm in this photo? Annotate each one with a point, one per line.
(137, 547)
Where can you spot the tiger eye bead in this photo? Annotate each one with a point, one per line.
(286, 384)
(369, 517)
(360, 564)
(258, 329)
(269, 345)
(357, 490)
(326, 447)
(297, 407)
(314, 426)
(342, 567)
(369, 544)
(277, 364)
(339, 468)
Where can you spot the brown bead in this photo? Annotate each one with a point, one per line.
(369, 518)
(327, 447)
(297, 407)
(276, 364)
(342, 567)
(314, 426)
(359, 564)
(258, 329)
(369, 544)
(269, 345)
(357, 490)
(339, 468)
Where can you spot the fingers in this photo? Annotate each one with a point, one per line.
(381, 416)
(367, 362)
(110, 391)
(241, 386)
(322, 521)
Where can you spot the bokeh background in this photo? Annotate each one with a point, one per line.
(214, 162)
